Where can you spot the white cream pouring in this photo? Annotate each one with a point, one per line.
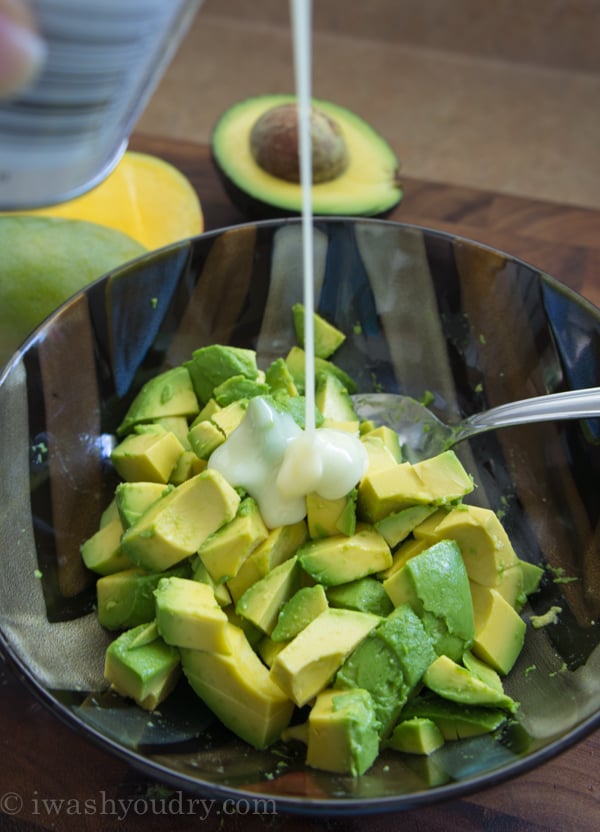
(269, 455)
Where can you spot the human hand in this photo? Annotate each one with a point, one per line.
(22, 50)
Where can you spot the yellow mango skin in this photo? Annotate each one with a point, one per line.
(144, 197)
(236, 686)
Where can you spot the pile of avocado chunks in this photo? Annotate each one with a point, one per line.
(383, 620)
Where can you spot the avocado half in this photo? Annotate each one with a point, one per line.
(368, 187)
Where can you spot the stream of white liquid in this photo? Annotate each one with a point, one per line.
(277, 462)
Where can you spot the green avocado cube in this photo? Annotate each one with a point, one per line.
(417, 735)
(167, 394)
(205, 437)
(237, 388)
(133, 498)
(262, 602)
(343, 734)
(327, 337)
(455, 720)
(330, 517)
(436, 585)
(102, 552)
(210, 366)
(279, 378)
(149, 456)
(452, 681)
(333, 400)
(340, 559)
(389, 663)
(141, 666)
(172, 528)
(238, 688)
(299, 611)
(281, 543)
(224, 552)
(126, 599)
(366, 595)
(189, 615)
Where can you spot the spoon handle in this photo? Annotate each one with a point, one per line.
(570, 404)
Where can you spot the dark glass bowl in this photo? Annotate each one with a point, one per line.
(424, 312)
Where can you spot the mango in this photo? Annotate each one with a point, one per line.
(43, 261)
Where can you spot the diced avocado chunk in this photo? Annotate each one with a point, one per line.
(389, 663)
(200, 573)
(229, 417)
(279, 378)
(109, 514)
(417, 735)
(327, 338)
(149, 456)
(366, 595)
(455, 720)
(308, 663)
(499, 629)
(484, 544)
(281, 543)
(133, 498)
(436, 481)
(340, 559)
(295, 361)
(237, 687)
(482, 670)
(225, 550)
(532, 575)
(167, 394)
(188, 615)
(452, 681)
(262, 602)
(304, 605)
(126, 599)
(343, 732)
(239, 387)
(102, 552)
(436, 585)
(398, 526)
(379, 456)
(210, 366)
(186, 467)
(205, 437)
(388, 437)
(331, 517)
(333, 400)
(173, 529)
(139, 665)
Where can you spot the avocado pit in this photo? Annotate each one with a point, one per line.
(274, 144)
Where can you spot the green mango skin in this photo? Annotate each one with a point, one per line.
(46, 260)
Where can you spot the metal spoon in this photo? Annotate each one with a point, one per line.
(423, 435)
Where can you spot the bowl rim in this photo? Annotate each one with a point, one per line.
(286, 803)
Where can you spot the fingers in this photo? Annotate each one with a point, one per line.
(22, 50)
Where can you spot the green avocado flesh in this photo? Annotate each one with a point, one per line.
(385, 619)
(45, 260)
(367, 187)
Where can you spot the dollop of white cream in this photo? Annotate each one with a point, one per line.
(279, 464)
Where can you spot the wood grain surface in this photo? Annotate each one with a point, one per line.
(51, 778)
